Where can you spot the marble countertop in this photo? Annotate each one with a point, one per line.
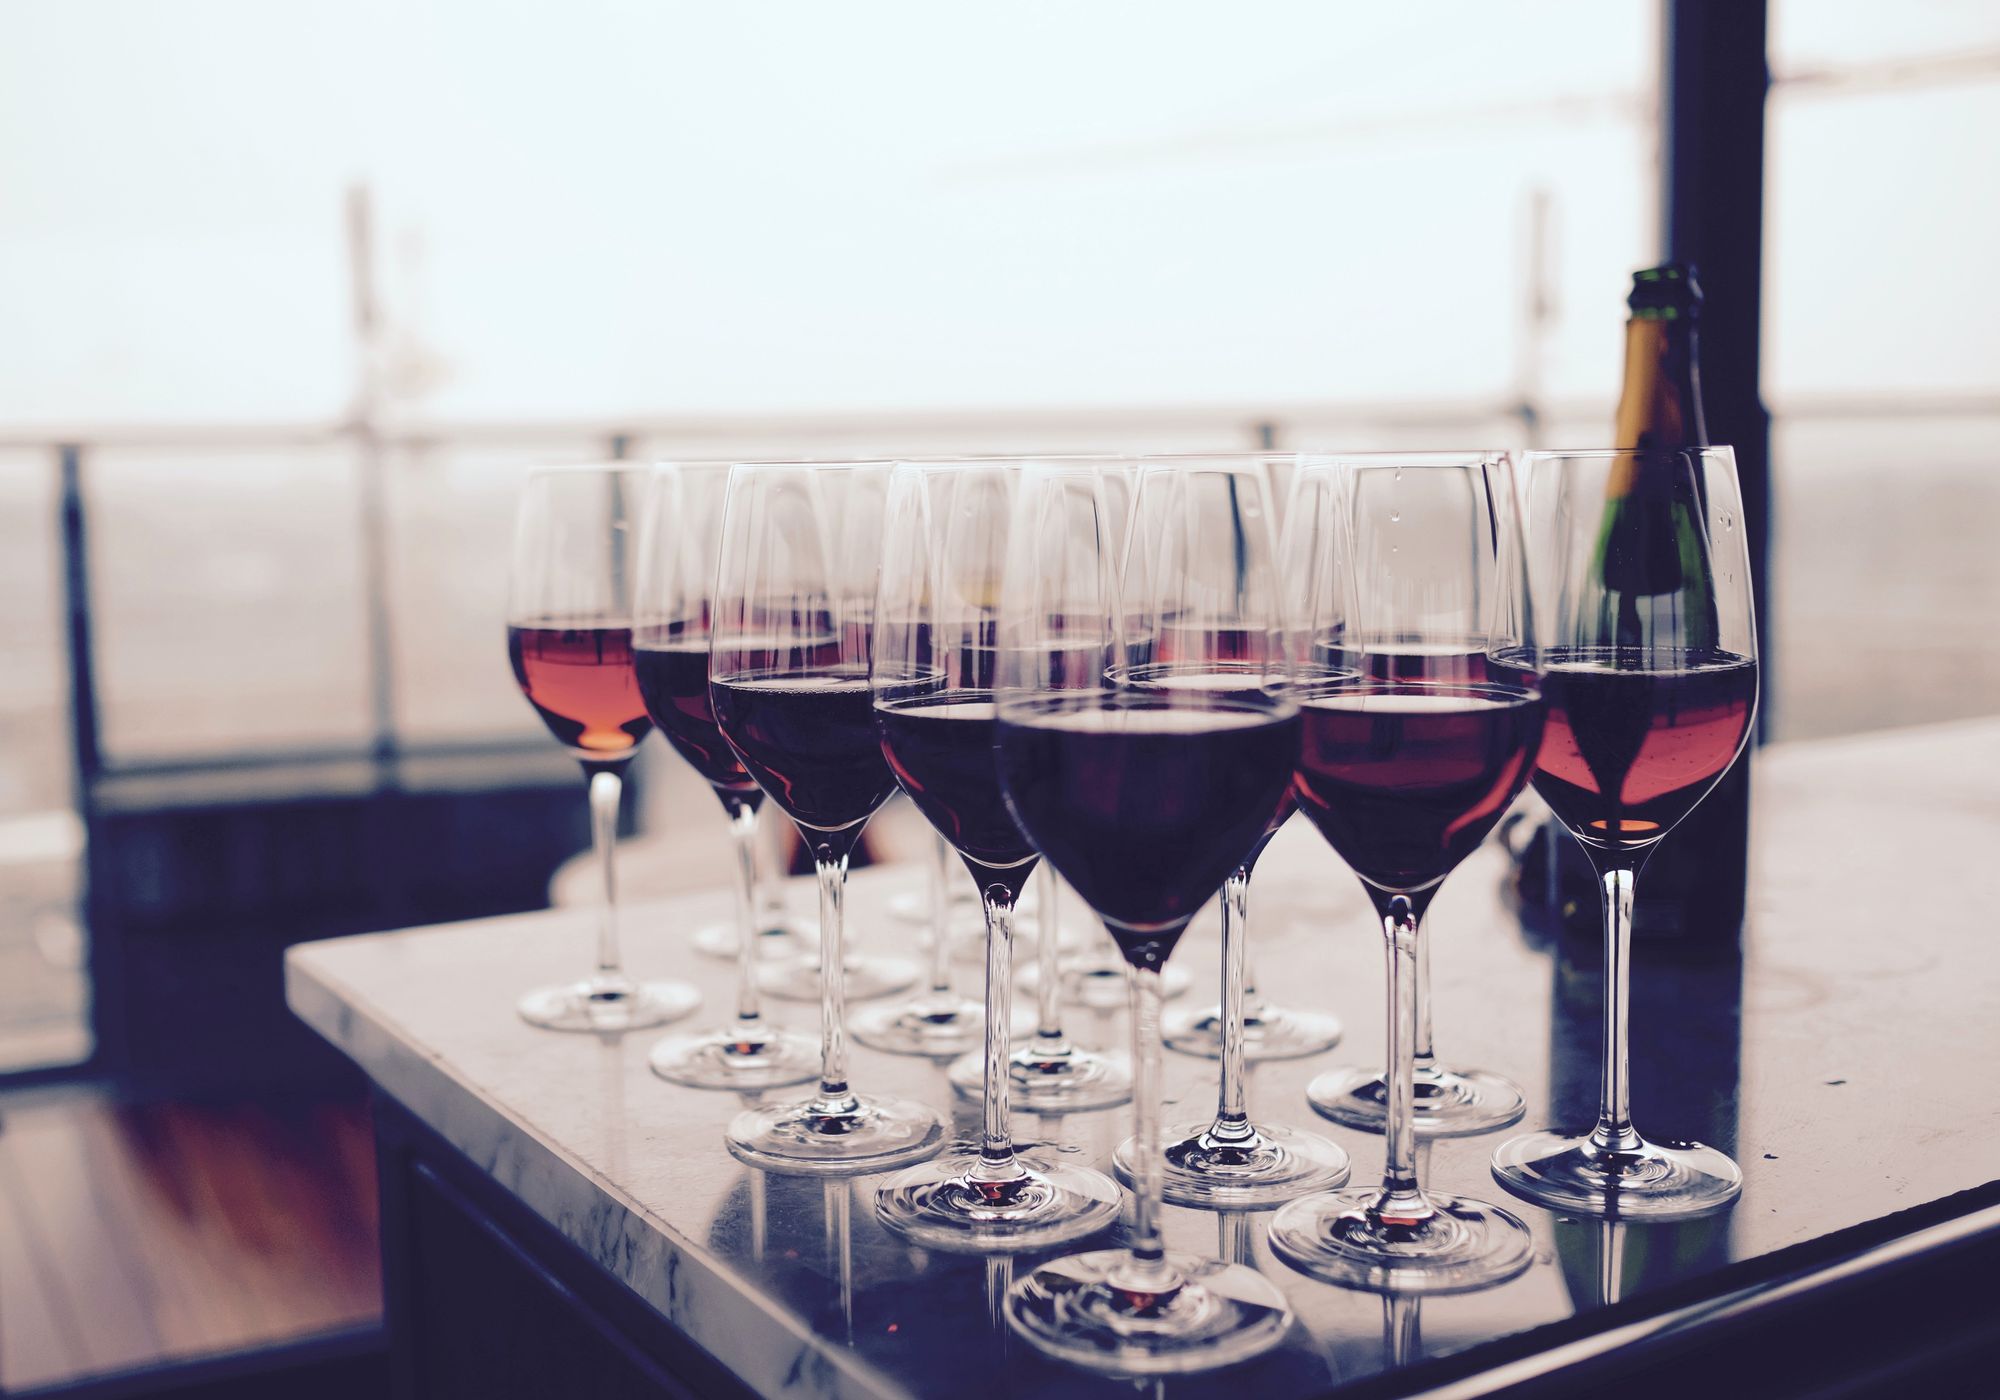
(1846, 1061)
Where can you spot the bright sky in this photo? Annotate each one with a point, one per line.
(611, 208)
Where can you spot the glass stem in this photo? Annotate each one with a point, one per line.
(835, 1099)
(605, 790)
(770, 880)
(1232, 1118)
(996, 1145)
(743, 827)
(1402, 1200)
(1614, 1131)
(1424, 1059)
(940, 921)
(1049, 1041)
(1232, 1237)
(1145, 1273)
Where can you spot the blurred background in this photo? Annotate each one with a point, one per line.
(295, 293)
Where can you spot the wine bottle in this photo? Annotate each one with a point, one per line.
(1693, 892)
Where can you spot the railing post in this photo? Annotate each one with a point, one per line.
(86, 756)
(107, 984)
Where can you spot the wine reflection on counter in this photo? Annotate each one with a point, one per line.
(1606, 1261)
(1402, 1330)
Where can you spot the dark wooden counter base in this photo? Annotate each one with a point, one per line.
(484, 1299)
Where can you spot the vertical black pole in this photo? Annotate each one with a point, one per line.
(85, 755)
(107, 985)
(1715, 80)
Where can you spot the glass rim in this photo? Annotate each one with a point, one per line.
(940, 465)
(952, 459)
(1421, 457)
(802, 464)
(1089, 459)
(1279, 690)
(1606, 454)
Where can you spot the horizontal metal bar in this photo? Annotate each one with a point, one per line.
(1443, 418)
(359, 753)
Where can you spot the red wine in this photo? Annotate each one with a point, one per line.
(809, 740)
(579, 679)
(1629, 753)
(1215, 677)
(941, 748)
(673, 679)
(1405, 780)
(1181, 642)
(1437, 663)
(1146, 805)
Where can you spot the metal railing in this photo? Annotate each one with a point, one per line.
(373, 448)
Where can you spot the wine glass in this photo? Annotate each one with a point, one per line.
(1144, 798)
(1049, 1073)
(569, 637)
(670, 635)
(1449, 1101)
(794, 611)
(1200, 592)
(939, 1023)
(1639, 578)
(1405, 777)
(933, 673)
(1270, 1031)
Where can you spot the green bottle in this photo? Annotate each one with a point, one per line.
(1649, 548)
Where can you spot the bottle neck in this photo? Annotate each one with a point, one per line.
(1659, 406)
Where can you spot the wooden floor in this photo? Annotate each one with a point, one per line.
(130, 1235)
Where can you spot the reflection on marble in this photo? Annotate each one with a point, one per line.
(1814, 1060)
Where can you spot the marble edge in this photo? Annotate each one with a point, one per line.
(709, 1302)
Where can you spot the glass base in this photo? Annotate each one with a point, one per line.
(863, 1135)
(1656, 1180)
(1076, 1081)
(1269, 1032)
(1219, 1315)
(936, 1205)
(941, 1028)
(1277, 1165)
(867, 976)
(1463, 1245)
(1448, 1102)
(607, 1005)
(777, 941)
(761, 1056)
